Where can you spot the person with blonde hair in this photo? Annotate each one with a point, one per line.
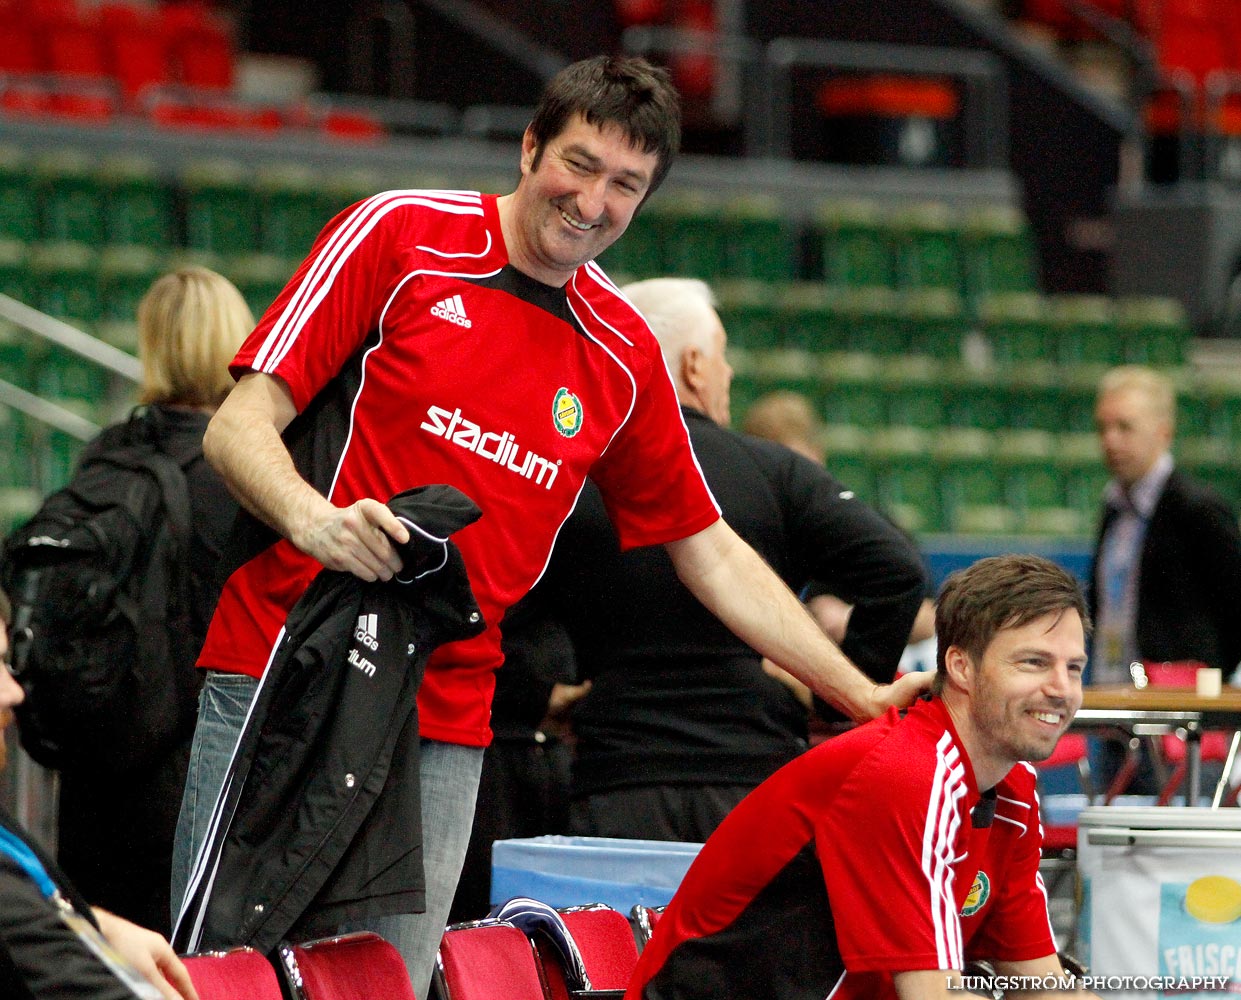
(115, 828)
(190, 324)
(788, 418)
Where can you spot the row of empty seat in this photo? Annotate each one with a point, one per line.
(584, 948)
(1014, 327)
(847, 243)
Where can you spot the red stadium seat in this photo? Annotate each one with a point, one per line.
(349, 967)
(486, 959)
(606, 943)
(242, 972)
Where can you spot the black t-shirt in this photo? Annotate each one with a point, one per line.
(677, 697)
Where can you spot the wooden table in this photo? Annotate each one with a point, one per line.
(1156, 711)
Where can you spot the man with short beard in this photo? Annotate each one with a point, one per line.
(876, 865)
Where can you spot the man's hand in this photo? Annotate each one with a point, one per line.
(149, 953)
(559, 704)
(901, 693)
(356, 539)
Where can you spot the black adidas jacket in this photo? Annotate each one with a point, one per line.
(320, 822)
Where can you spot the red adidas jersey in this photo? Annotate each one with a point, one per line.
(416, 354)
(870, 854)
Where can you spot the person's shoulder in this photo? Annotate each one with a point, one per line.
(607, 313)
(422, 210)
(1186, 492)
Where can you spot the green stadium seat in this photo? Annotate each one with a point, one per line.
(971, 486)
(19, 205)
(137, 203)
(1034, 486)
(119, 333)
(998, 252)
(691, 235)
(757, 241)
(914, 392)
(69, 378)
(871, 321)
(339, 190)
(259, 278)
(926, 247)
(1153, 331)
(291, 210)
(1035, 398)
(221, 208)
(906, 484)
(1213, 462)
(856, 252)
(640, 254)
(1193, 413)
(1081, 467)
(71, 200)
(1085, 332)
(974, 399)
(1017, 328)
(64, 280)
(852, 391)
(1078, 393)
(848, 458)
(17, 471)
(56, 454)
(1223, 397)
(14, 275)
(935, 322)
(125, 275)
(747, 310)
(807, 317)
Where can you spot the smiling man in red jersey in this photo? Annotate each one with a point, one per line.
(876, 865)
(468, 339)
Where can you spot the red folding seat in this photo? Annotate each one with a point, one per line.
(136, 48)
(486, 959)
(242, 972)
(605, 942)
(200, 45)
(349, 967)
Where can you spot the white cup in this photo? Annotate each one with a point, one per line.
(1209, 682)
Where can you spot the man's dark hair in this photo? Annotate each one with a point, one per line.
(999, 593)
(625, 91)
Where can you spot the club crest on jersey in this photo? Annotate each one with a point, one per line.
(980, 892)
(566, 413)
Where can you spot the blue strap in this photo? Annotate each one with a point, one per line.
(20, 852)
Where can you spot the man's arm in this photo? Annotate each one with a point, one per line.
(734, 583)
(149, 953)
(243, 444)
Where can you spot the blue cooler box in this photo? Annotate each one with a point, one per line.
(570, 871)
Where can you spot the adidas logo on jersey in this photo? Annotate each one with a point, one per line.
(367, 631)
(453, 310)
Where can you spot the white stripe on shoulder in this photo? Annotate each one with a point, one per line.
(1017, 803)
(320, 277)
(444, 253)
(607, 285)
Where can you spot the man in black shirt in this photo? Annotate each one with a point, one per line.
(682, 720)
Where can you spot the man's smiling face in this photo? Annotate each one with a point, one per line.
(577, 196)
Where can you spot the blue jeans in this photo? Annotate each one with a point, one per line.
(450, 775)
(222, 706)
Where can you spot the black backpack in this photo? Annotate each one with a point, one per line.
(101, 629)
